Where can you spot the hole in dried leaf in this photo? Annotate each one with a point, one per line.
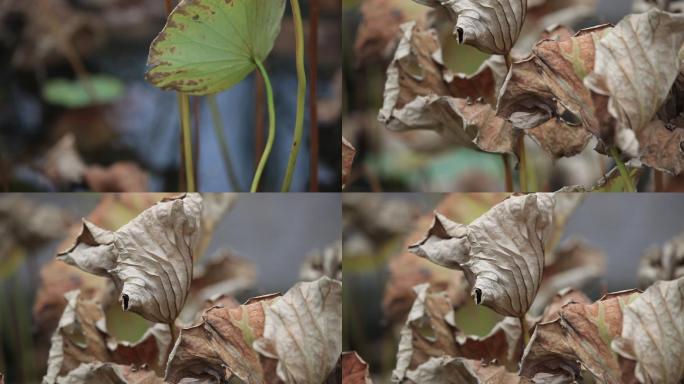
(124, 297)
(460, 33)
(478, 296)
(681, 146)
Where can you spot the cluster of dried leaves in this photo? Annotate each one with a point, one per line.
(509, 260)
(620, 84)
(199, 332)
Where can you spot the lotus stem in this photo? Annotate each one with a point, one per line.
(271, 127)
(659, 184)
(223, 143)
(507, 172)
(175, 333)
(523, 163)
(184, 104)
(313, 106)
(301, 94)
(509, 60)
(622, 169)
(525, 332)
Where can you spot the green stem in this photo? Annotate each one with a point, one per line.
(223, 143)
(271, 127)
(301, 94)
(622, 169)
(184, 104)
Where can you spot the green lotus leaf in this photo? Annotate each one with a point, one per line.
(210, 45)
(74, 93)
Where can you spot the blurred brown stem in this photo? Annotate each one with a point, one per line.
(659, 184)
(523, 162)
(507, 171)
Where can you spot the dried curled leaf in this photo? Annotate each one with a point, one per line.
(81, 337)
(110, 374)
(450, 370)
(636, 65)
(662, 262)
(309, 314)
(354, 369)
(149, 259)
(421, 93)
(501, 252)
(653, 333)
(294, 338)
(580, 338)
(323, 262)
(545, 94)
(430, 332)
(492, 26)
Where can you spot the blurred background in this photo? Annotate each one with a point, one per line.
(599, 246)
(54, 138)
(251, 245)
(422, 160)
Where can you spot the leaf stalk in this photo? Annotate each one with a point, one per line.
(271, 127)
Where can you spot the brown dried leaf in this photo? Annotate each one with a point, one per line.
(348, 153)
(108, 373)
(450, 370)
(580, 338)
(354, 369)
(154, 280)
(501, 252)
(636, 65)
(653, 333)
(662, 262)
(430, 332)
(122, 176)
(220, 347)
(302, 331)
(421, 93)
(293, 338)
(224, 274)
(492, 26)
(376, 36)
(82, 337)
(545, 93)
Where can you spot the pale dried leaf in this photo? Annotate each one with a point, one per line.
(62, 164)
(354, 369)
(302, 331)
(149, 259)
(421, 93)
(501, 252)
(653, 333)
(492, 26)
(636, 65)
(122, 176)
(449, 370)
(323, 262)
(662, 262)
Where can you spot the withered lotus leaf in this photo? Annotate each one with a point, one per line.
(635, 67)
(302, 331)
(545, 94)
(501, 252)
(662, 262)
(653, 333)
(492, 26)
(149, 259)
(109, 373)
(293, 338)
(454, 370)
(81, 337)
(431, 332)
(421, 93)
(220, 347)
(581, 337)
(354, 369)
